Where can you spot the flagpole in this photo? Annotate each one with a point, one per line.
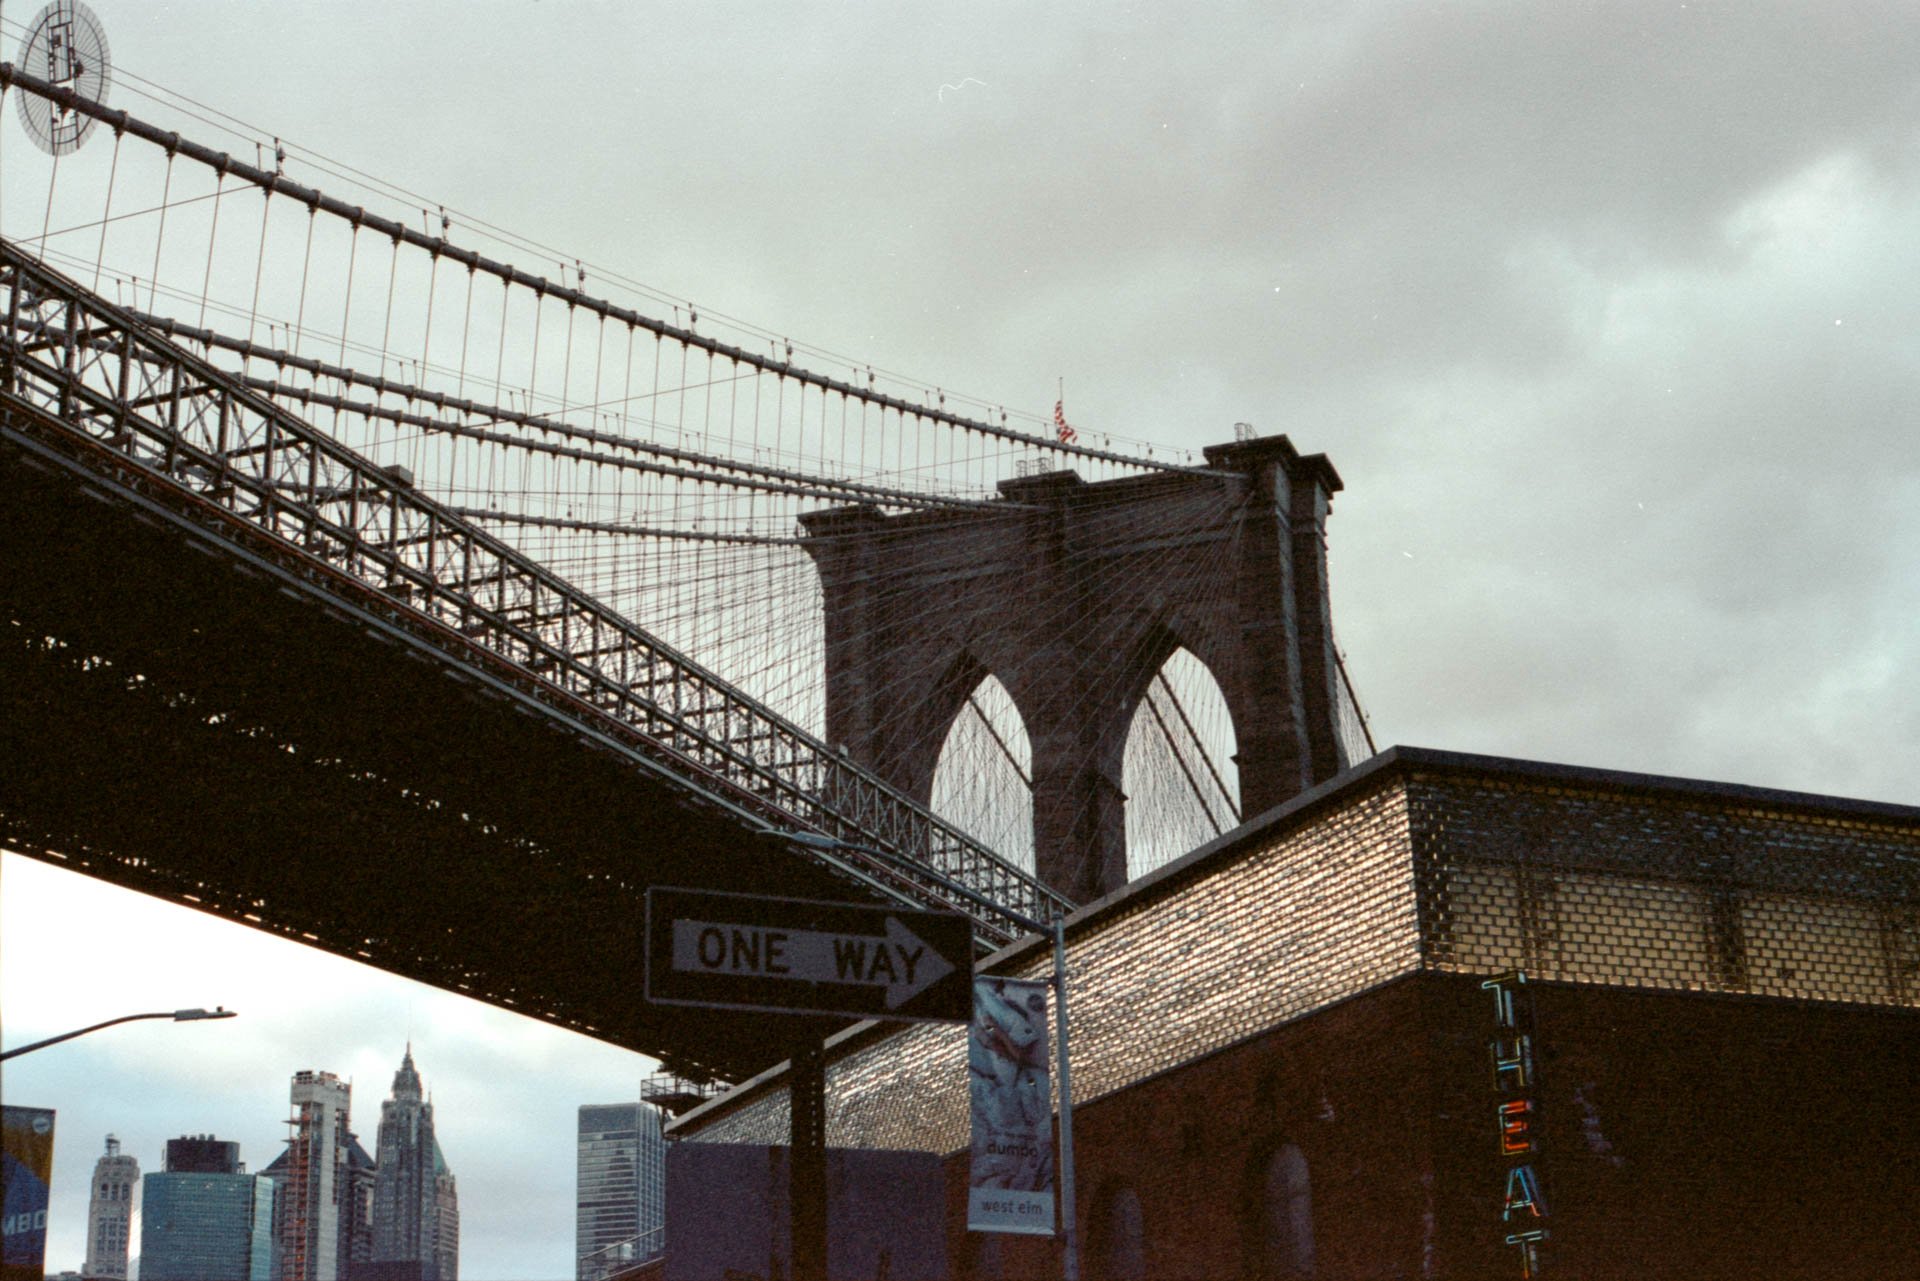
(1063, 433)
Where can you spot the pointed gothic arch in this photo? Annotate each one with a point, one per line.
(1074, 595)
(1179, 765)
(983, 774)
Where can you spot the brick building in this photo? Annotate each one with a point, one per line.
(1288, 1060)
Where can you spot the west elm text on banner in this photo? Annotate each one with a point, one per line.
(1012, 1182)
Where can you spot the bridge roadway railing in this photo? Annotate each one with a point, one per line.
(154, 418)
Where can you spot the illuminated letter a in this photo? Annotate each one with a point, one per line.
(1523, 1193)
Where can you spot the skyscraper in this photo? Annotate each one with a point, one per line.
(621, 1194)
(356, 1212)
(110, 1214)
(416, 1217)
(205, 1218)
(322, 1219)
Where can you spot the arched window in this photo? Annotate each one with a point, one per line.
(1283, 1218)
(1119, 1245)
(1178, 771)
(983, 781)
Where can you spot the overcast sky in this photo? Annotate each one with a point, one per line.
(1606, 313)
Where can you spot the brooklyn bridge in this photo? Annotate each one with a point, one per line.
(346, 538)
(398, 587)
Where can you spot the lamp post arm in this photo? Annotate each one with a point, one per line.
(68, 1036)
(178, 1016)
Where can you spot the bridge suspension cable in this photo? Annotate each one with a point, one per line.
(274, 183)
(661, 470)
(86, 379)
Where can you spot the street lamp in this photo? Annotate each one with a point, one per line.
(819, 842)
(178, 1016)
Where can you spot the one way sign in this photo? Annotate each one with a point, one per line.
(745, 951)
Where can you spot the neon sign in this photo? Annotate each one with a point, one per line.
(1523, 1211)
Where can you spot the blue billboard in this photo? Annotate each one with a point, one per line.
(26, 1173)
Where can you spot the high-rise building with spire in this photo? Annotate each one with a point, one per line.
(416, 1216)
(110, 1214)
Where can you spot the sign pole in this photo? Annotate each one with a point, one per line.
(1069, 1230)
(807, 1159)
(725, 951)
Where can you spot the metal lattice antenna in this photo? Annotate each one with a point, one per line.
(66, 45)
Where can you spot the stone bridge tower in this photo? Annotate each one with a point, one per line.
(1074, 595)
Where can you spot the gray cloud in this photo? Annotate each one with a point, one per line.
(1605, 312)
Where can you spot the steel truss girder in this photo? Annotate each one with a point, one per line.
(179, 429)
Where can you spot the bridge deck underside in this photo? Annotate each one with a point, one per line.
(177, 721)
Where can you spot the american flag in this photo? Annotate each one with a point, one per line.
(1062, 432)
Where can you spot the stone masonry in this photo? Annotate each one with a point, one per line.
(1074, 595)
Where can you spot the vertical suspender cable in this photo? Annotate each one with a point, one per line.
(106, 214)
(466, 332)
(680, 402)
(460, 381)
(166, 195)
(259, 266)
(426, 347)
(599, 349)
(500, 356)
(213, 236)
(346, 308)
(626, 396)
(533, 370)
(426, 343)
(566, 366)
(626, 410)
(386, 329)
(53, 179)
(306, 261)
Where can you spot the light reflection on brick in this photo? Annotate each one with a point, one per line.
(1444, 869)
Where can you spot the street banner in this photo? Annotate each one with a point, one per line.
(26, 1173)
(1012, 1183)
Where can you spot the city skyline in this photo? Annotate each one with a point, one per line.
(152, 1082)
(1600, 312)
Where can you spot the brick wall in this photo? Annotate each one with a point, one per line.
(1727, 988)
(1681, 1136)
